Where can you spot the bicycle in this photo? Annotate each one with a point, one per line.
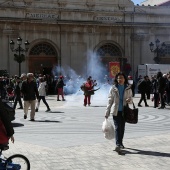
(14, 162)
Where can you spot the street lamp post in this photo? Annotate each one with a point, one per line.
(20, 57)
(157, 50)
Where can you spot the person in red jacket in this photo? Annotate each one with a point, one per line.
(88, 86)
(6, 128)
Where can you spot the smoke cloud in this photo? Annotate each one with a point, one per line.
(96, 69)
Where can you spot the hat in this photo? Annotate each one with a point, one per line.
(130, 77)
(61, 77)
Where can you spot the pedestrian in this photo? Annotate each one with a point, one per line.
(132, 83)
(42, 94)
(119, 95)
(155, 92)
(6, 128)
(161, 89)
(30, 93)
(59, 86)
(168, 90)
(17, 93)
(87, 87)
(142, 88)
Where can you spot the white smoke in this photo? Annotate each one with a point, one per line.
(96, 70)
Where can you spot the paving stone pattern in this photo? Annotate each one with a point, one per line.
(70, 138)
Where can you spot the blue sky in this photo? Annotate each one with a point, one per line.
(137, 1)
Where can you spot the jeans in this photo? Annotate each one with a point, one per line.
(44, 101)
(119, 123)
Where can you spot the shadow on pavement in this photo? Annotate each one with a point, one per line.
(97, 106)
(17, 124)
(142, 152)
(47, 121)
(55, 112)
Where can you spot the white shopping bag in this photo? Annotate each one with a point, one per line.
(108, 129)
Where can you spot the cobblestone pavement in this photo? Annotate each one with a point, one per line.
(70, 138)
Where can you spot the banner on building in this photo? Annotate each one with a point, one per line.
(114, 68)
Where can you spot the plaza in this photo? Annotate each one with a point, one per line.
(70, 137)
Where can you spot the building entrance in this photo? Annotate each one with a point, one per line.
(42, 58)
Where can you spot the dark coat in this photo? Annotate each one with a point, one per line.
(161, 84)
(142, 87)
(60, 83)
(17, 89)
(29, 90)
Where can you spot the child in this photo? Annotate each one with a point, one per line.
(6, 128)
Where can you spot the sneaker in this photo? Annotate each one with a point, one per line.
(161, 107)
(25, 116)
(117, 148)
(122, 146)
(139, 105)
(48, 110)
(84, 105)
(58, 100)
(36, 110)
(32, 120)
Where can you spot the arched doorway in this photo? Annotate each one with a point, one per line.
(109, 53)
(42, 58)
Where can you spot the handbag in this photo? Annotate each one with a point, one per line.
(130, 115)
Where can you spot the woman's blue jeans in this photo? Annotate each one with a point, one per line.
(119, 123)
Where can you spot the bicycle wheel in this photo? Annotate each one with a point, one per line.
(17, 162)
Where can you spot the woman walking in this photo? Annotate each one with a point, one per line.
(120, 94)
(42, 94)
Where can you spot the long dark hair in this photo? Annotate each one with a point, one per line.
(120, 74)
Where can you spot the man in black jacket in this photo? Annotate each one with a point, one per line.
(142, 88)
(30, 93)
(161, 89)
(4, 118)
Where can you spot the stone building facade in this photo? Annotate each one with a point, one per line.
(156, 2)
(61, 32)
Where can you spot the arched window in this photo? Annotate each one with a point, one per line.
(43, 49)
(109, 49)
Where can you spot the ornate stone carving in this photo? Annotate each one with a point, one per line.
(28, 2)
(10, 3)
(90, 4)
(61, 4)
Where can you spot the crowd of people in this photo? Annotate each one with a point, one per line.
(158, 86)
(122, 91)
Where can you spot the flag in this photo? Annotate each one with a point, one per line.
(114, 68)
